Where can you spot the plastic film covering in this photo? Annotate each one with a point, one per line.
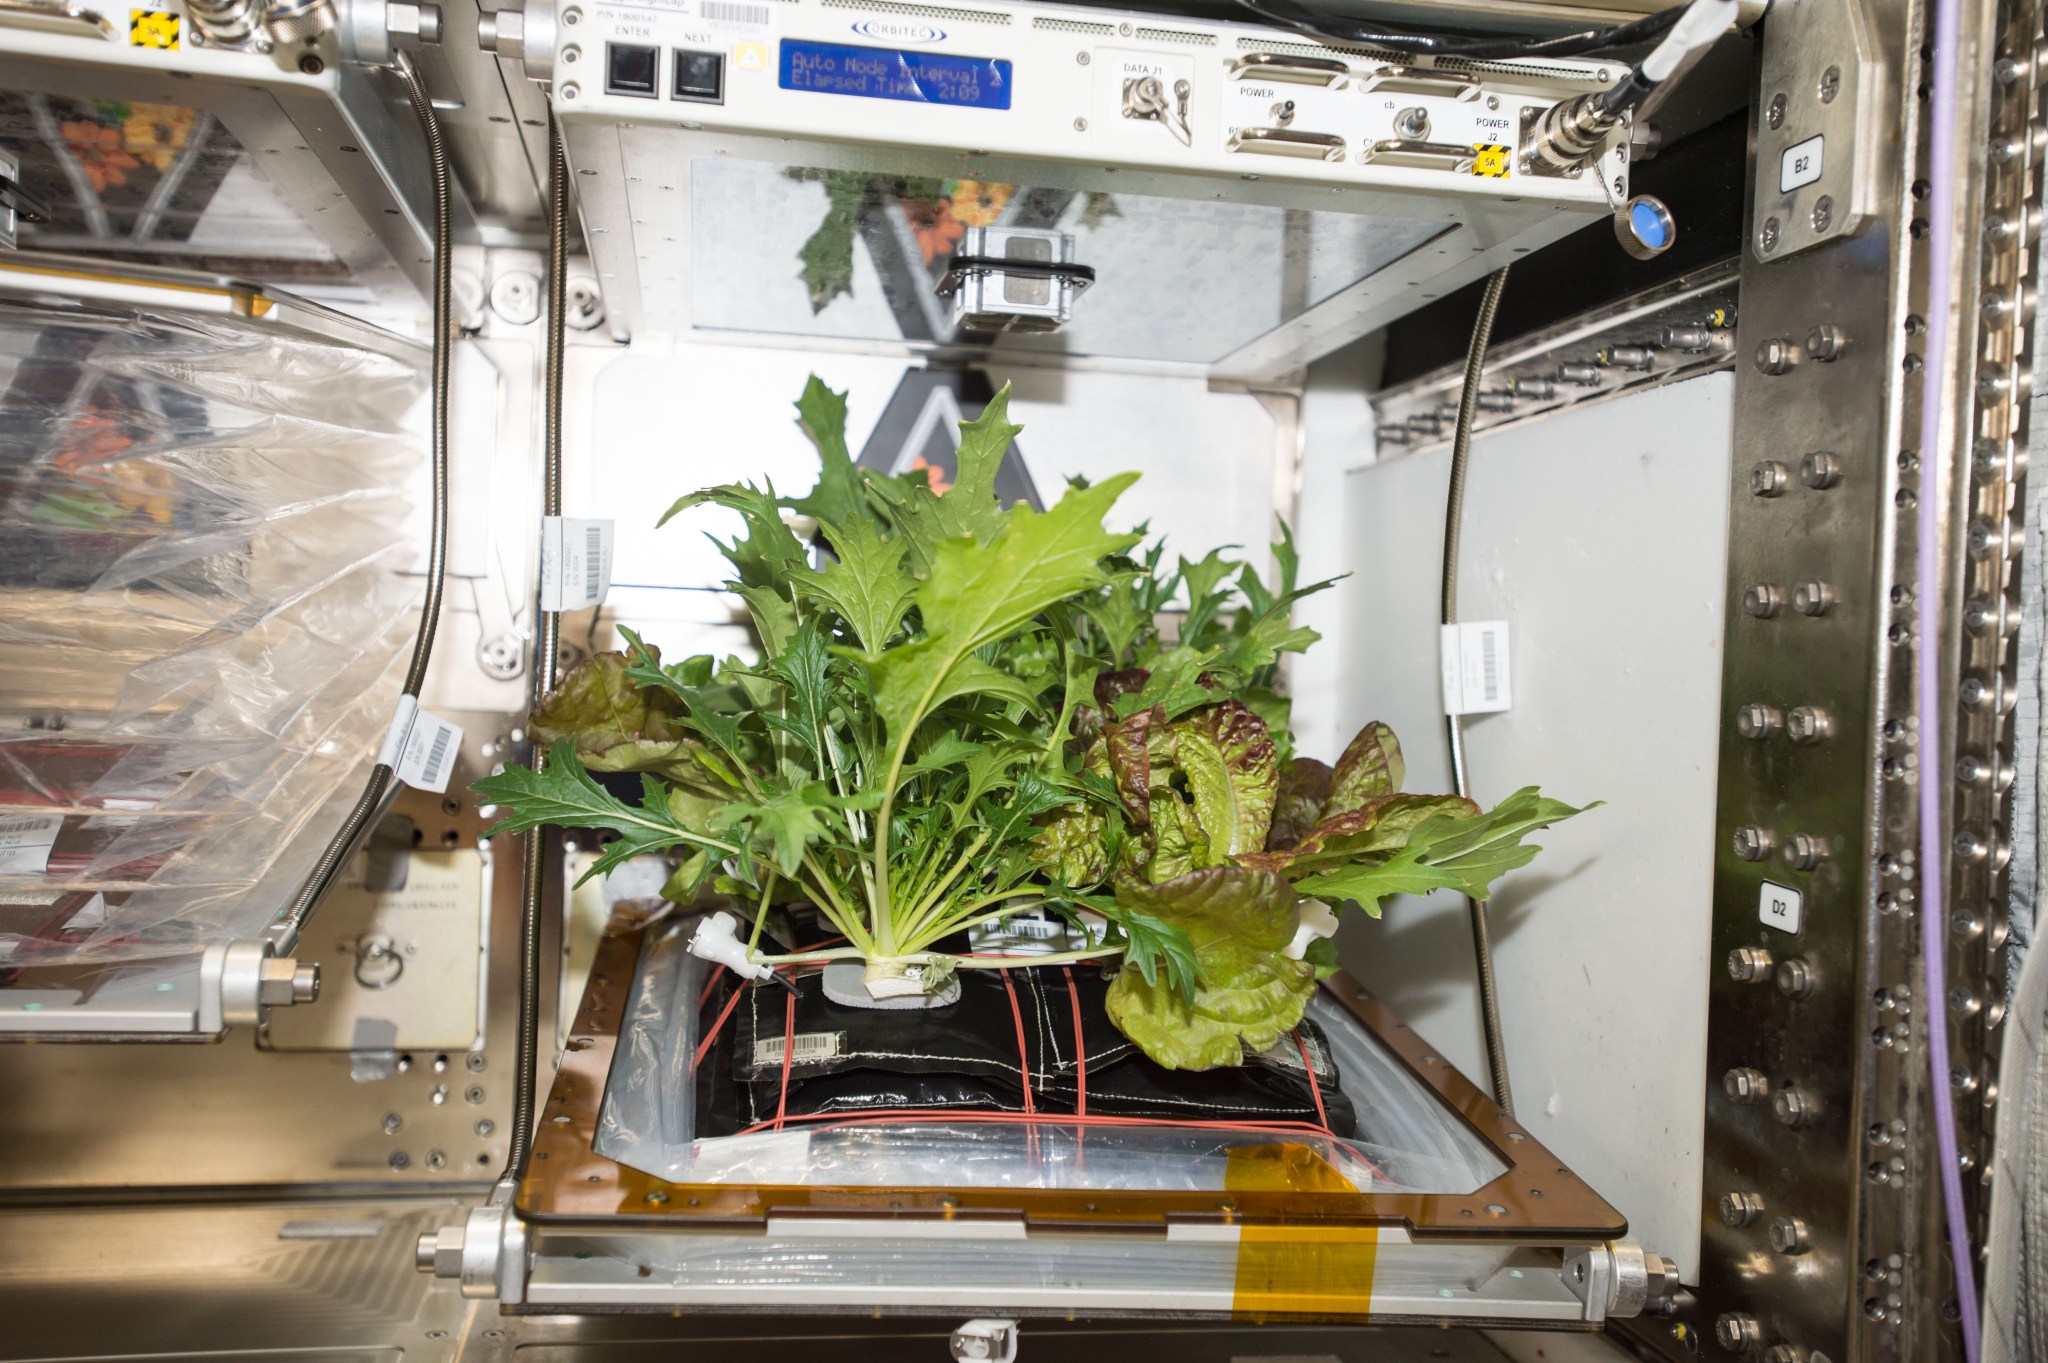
(203, 616)
(1407, 1141)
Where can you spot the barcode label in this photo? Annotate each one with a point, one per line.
(421, 747)
(1476, 675)
(725, 12)
(25, 842)
(1286, 1055)
(809, 1046)
(575, 563)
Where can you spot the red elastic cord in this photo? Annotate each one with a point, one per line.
(1080, 1047)
(704, 1046)
(1315, 1089)
(788, 1054)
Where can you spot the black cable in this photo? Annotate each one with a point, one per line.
(546, 651)
(382, 786)
(1364, 33)
(1454, 515)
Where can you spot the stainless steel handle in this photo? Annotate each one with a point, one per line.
(64, 15)
(1276, 66)
(1287, 142)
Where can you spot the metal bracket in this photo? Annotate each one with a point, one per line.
(1619, 1279)
(253, 981)
(487, 1252)
(1814, 145)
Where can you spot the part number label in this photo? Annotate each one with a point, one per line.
(575, 563)
(421, 747)
(1801, 164)
(1475, 666)
(25, 842)
(809, 1046)
(1780, 907)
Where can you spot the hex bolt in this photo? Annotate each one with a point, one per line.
(1579, 374)
(1793, 1108)
(1754, 842)
(1808, 724)
(1737, 1332)
(1778, 354)
(1789, 1235)
(1741, 1209)
(1820, 470)
(1803, 851)
(1757, 720)
(1825, 341)
(1745, 1086)
(1749, 965)
(1812, 597)
(1762, 599)
(1795, 978)
(1768, 478)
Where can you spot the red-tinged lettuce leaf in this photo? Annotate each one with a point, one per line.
(1177, 845)
(1247, 995)
(1232, 771)
(1298, 804)
(1110, 685)
(616, 725)
(1382, 826)
(1465, 852)
(1130, 764)
(1370, 769)
(1070, 847)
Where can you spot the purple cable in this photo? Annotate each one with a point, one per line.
(1941, 174)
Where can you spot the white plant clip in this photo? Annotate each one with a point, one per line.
(717, 939)
(1316, 921)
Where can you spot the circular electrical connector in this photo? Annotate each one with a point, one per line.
(1645, 227)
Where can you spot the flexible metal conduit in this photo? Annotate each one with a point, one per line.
(1454, 727)
(546, 648)
(383, 785)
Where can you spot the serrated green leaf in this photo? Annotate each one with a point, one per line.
(866, 583)
(563, 794)
(837, 496)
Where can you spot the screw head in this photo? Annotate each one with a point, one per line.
(1808, 724)
(1767, 236)
(1789, 1235)
(1749, 965)
(1768, 478)
(1823, 212)
(1741, 1209)
(1820, 469)
(1753, 842)
(1762, 600)
(1082, 58)
(1745, 1085)
(1830, 84)
(1775, 114)
(1735, 1331)
(311, 65)
(1793, 1108)
(392, 1123)
(1757, 721)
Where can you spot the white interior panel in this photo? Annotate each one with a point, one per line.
(1600, 535)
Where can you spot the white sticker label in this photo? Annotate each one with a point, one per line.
(25, 842)
(1801, 164)
(1779, 907)
(809, 1046)
(575, 563)
(421, 747)
(1475, 667)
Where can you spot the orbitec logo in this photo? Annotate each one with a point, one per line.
(894, 31)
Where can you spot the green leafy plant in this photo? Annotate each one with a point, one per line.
(962, 711)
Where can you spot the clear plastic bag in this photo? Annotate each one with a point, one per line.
(1409, 1140)
(203, 617)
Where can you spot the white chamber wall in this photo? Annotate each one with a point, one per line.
(1600, 536)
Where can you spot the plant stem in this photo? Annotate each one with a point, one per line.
(761, 910)
(927, 904)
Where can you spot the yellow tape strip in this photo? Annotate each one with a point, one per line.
(1298, 1269)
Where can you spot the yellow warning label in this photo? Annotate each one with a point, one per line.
(1490, 160)
(750, 56)
(153, 28)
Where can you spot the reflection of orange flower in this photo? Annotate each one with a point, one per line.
(978, 203)
(155, 132)
(99, 153)
(935, 477)
(936, 229)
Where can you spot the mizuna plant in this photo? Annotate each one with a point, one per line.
(962, 711)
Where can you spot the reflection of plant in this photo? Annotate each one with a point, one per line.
(827, 255)
(978, 203)
(156, 132)
(100, 152)
(968, 711)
